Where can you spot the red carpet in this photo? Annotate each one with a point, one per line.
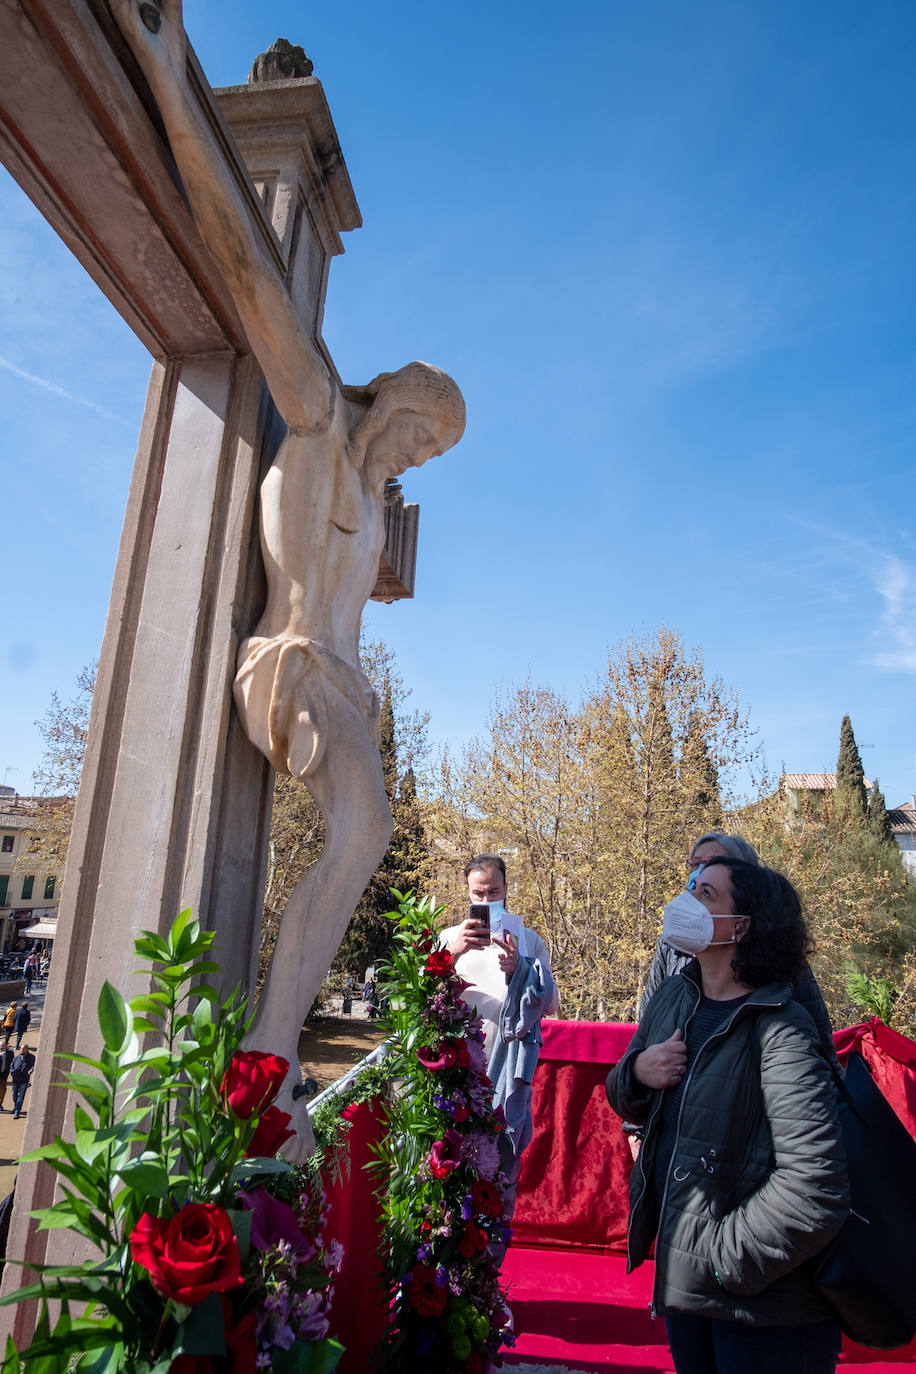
(583, 1311)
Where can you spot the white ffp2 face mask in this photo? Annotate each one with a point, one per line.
(688, 926)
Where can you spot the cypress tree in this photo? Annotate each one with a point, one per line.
(879, 822)
(850, 776)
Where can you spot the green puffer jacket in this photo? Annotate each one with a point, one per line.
(757, 1183)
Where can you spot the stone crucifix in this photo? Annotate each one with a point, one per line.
(300, 691)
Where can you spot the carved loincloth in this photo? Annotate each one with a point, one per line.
(282, 691)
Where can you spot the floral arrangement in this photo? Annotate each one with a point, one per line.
(209, 1255)
(439, 1166)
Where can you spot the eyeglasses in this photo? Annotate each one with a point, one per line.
(693, 864)
(696, 867)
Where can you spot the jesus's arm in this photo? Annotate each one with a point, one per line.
(295, 372)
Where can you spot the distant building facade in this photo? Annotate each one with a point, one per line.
(802, 788)
(903, 824)
(29, 892)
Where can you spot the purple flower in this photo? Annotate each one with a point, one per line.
(310, 1316)
(424, 1253)
(283, 1337)
(481, 1154)
(441, 1277)
(467, 1210)
(425, 1341)
(478, 1057)
(273, 1221)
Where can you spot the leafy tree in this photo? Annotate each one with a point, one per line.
(594, 806)
(63, 728)
(406, 864)
(296, 837)
(850, 776)
(860, 911)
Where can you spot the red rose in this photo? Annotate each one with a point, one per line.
(424, 1295)
(486, 1199)
(252, 1081)
(460, 1111)
(270, 1134)
(473, 1239)
(439, 963)
(442, 1058)
(189, 1256)
(461, 1050)
(445, 1154)
(425, 942)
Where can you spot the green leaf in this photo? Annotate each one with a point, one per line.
(155, 1003)
(318, 1357)
(241, 1225)
(252, 1168)
(206, 992)
(180, 925)
(146, 1174)
(204, 1330)
(115, 1020)
(152, 946)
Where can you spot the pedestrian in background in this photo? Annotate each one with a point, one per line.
(6, 1063)
(21, 1022)
(20, 1077)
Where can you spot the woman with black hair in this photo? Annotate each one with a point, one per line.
(741, 1180)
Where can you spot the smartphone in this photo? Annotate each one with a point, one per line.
(480, 911)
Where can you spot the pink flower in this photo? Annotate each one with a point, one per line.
(442, 1058)
(445, 1154)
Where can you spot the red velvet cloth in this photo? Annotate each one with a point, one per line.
(573, 1186)
(359, 1309)
(892, 1060)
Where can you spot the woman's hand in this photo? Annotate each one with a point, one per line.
(663, 1065)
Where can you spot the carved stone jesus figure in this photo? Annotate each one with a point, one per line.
(300, 691)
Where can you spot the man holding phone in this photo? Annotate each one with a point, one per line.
(511, 986)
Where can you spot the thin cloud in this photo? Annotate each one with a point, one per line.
(67, 395)
(896, 583)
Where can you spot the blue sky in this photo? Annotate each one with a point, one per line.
(666, 251)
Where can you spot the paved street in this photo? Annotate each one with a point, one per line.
(11, 1132)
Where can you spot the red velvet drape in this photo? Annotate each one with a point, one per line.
(360, 1308)
(892, 1060)
(573, 1185)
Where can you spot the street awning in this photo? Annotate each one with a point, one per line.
(44, 930)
